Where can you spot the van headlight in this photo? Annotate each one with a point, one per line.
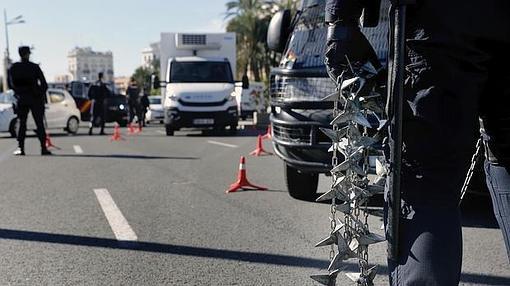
(122, 107)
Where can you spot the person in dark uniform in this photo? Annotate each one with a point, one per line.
(29, 85)
(133, 94)
(98, 93)
(457, 54)
(144, 105)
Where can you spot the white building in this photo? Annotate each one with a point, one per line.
(85, 64)
(150, 54)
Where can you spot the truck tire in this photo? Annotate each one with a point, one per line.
(301, 186)
(169, 130)
(13, 128)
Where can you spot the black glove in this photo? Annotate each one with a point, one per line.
(346, 44)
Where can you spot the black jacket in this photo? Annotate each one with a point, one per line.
(350, 11)
(28, 82)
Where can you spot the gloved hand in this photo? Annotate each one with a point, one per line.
(345, 41)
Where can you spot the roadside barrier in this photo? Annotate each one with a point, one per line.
(242, 182)
(259, 151)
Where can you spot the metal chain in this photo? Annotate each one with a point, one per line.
(472, 167)
(349, 133)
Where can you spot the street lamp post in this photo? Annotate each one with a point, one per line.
(18, 20)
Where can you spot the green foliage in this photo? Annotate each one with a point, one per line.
(142, 75)
(249, 19)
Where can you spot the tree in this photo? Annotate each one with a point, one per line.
(143, 75)
(249, 19)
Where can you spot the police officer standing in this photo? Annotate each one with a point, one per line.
(98, 93)
(457, 58)
(133, 94)
(28, 82)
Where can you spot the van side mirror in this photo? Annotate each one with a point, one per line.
(156, 83)
(278, 31)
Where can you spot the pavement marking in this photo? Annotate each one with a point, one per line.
(161, 132)
(117, 221)
(78, 149)
(222, 144)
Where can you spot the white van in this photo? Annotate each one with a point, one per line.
(198, 86)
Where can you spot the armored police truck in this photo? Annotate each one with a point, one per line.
(297, 86)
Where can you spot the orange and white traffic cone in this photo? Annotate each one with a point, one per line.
(131, 129)
(117, 136)
(259, 151)
(268, 133)
(49, 144)
(242, 182)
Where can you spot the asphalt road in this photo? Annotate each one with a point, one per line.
(61, 217)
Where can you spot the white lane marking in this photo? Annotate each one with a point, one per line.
(117, 221)
(77, 149)
(222, 144)
(161, 132)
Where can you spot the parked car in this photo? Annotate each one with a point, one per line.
(61, 113)
(7, 116)
(155, 112)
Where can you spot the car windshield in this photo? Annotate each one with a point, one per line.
(183, 72)
(6, 98)
(155, 100)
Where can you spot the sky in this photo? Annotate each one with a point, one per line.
(125, 27)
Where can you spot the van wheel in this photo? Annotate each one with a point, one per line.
(169, 130)
(73, 124)
(301, 186)
(14, 127)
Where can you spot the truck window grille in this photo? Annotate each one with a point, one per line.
(284, 88)
(293, 134)
(189, 39)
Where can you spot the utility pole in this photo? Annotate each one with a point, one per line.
(7, 61)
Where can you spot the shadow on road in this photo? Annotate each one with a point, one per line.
(125, 156)
(252, 257)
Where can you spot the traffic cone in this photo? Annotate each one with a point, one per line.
(259, 151)
(49, 143)
(242, 182)
(131, 129)
(117, 136)
(268, 133)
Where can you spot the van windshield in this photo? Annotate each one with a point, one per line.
(187, 72)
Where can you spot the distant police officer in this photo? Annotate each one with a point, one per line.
(28, 82)
(133, 94)
(98, 93)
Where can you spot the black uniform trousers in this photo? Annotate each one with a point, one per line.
(457, 71)
(37, 110)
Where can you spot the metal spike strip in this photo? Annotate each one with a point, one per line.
(350, 184)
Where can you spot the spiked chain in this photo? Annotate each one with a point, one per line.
(351, 190)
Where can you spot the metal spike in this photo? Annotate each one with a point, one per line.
(355, 82)
(328, 279)
(344, 208)
(366, 280)
(335, 136)
(332, 238)
(370, 238)
(331, 194)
